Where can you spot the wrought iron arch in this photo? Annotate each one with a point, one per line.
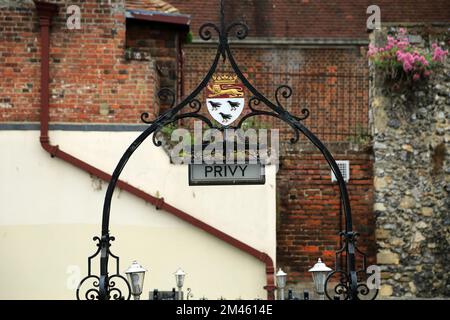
(348, 286)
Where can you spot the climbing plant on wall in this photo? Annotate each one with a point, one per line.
(402, 63)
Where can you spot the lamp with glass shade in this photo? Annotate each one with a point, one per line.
(179, 278)
(281, 283)
(319, 273)
(135, 275)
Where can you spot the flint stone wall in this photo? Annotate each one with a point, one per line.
(412, 177)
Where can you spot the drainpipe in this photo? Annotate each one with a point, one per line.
(180, 65)
(45, 12)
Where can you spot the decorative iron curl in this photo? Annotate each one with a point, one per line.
(296, 136)
(343, 287)
(114, 292)
(93, 293)
(362, 289)
(305, 115)
(240, 30)
(253, 103)
(165, 95)
(96, 238)
(144, 118)
(155, 140)
(285, 92)
(196, 107)
(205, 31)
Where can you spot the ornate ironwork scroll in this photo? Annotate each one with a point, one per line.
(93, 292)
(338, 282)
(259, 105)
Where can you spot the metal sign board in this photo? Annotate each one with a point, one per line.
(226, 174)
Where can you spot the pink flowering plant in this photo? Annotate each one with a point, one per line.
(401, 61)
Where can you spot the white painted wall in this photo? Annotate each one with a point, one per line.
(50, 210)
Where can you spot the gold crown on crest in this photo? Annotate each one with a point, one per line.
(224, 78)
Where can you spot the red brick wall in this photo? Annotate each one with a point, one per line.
(88, 70)
(313, 18)
(308, 206)
(332, 83)
(19, 64)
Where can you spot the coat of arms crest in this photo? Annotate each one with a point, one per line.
(225, 98)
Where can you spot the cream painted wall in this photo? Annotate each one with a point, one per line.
(50, 210)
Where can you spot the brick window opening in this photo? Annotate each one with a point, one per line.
(160, 44)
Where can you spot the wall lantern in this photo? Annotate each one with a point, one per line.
(281, 283)
(319, 273)
(135, 275)
(179, 278)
